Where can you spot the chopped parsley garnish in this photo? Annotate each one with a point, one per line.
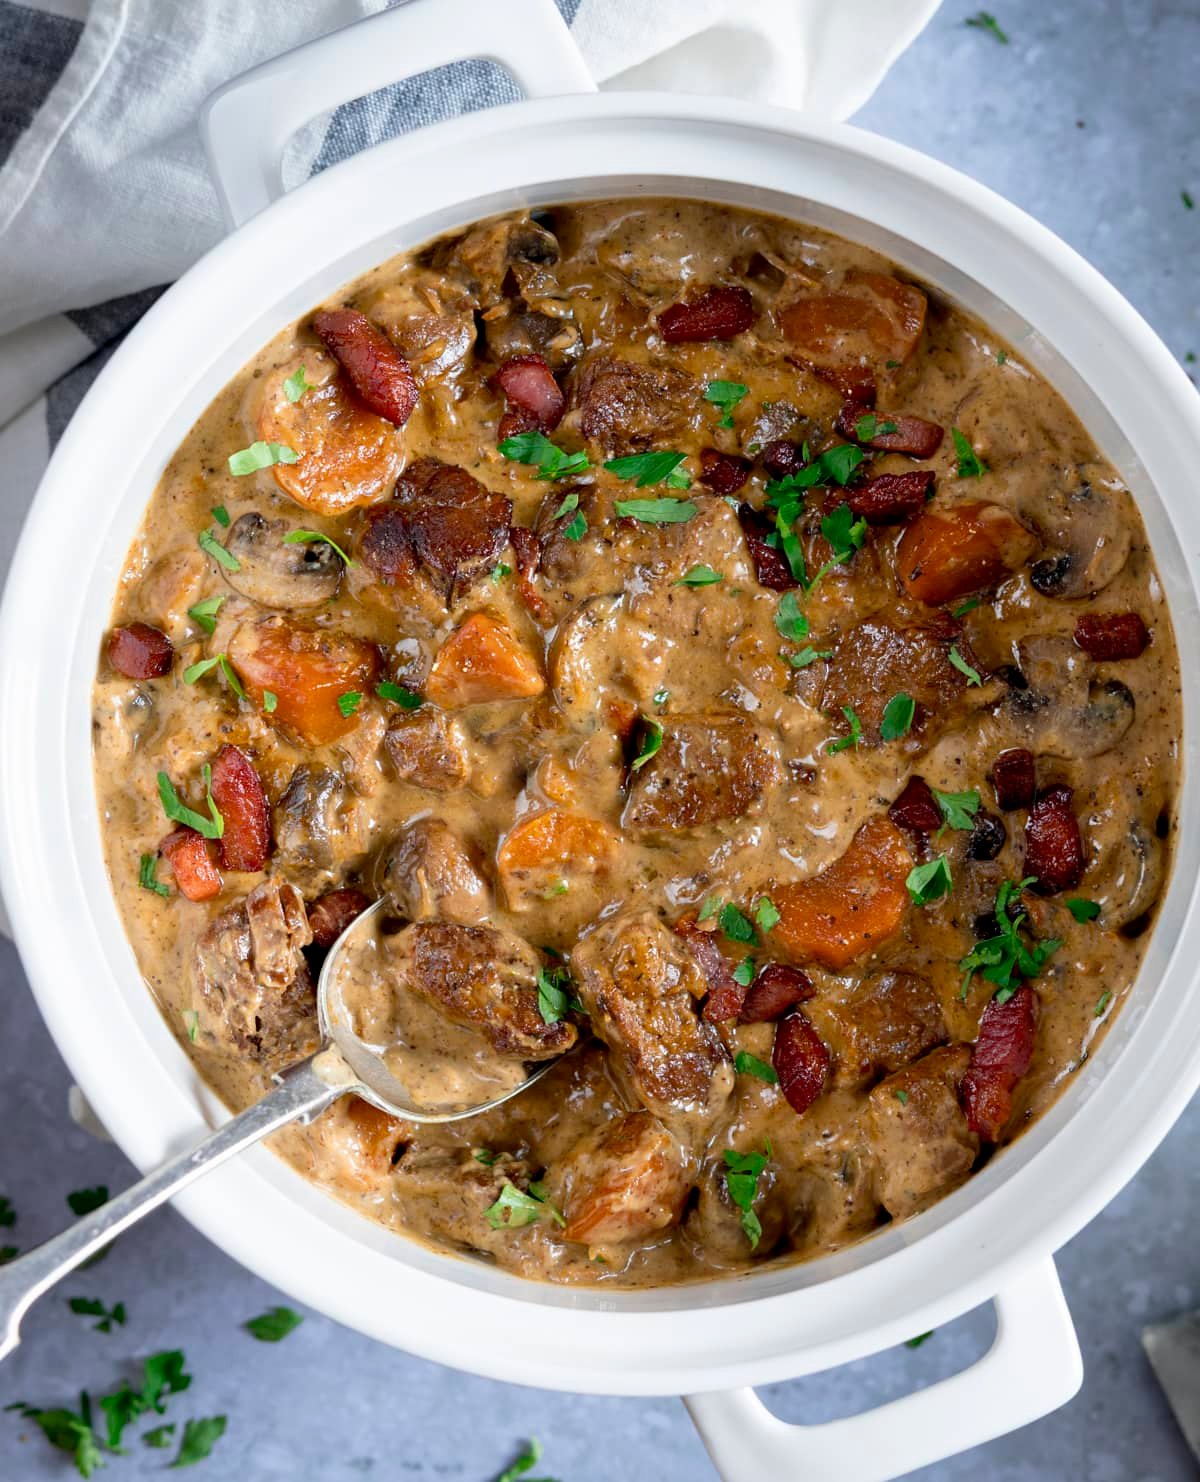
(1006, 959)
(160, 1437)
(577, 528)
(766, 913)
(700, 576)
(647, 468)
(741, 1180)
(84, 1201)
(970, 464)
(957, 808)
(664, 511)
(199, 1438)
(209, 543)
(8, 1215)
(1001, 357)
(808, 655)
(726, 395)
(260, 455)
(191, 1022)
(68, 1432)
(870, 426)
(984, 21)
(398, 695)
(221, 515)
(746, 1064)
(148, 878)
(919, 1339)
(485, 1156)
(536, 449)
(296, 385)
(855, 736)
(790, 546)
(661, 696)
(499, 572)
(162, 1375)
(965, 607)
(1186, 198)
(8, 1253)
(270, 701)
(301, 537)
(273, 1325)
(901, 1097)
(529, 1458)
(710, 908)
(1102, 1003)
(93, 1307)
(844, 533)
(833, 466)
(212, 827)
(649, 745)
(897, 717)
(204, 614)
(789, 620)
(198, 670)
(963, 667)
(1083, 910)
(554, 998)
(736, 925)
(515, 1208)
(930, 881)
(348, 702)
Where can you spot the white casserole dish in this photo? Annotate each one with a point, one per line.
(993, 1238)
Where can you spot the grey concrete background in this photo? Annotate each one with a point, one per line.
(1087, 118)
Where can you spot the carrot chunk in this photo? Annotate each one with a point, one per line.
(543, 853)
(947, 553)
(852, 905)
(481, 661)
(190, 858)
(309, 671)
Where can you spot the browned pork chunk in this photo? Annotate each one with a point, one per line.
(251, 984)
(642, 988)
(430, 872)
(707, 770)
(890, 1020)
(484, 979)
(919, 1136)
(878, 659)
(626, 407)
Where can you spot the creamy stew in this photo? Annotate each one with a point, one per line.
(740, 674)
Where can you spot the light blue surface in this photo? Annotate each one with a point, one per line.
(1088, 120)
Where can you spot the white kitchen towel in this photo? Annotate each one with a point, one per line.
(104, 193)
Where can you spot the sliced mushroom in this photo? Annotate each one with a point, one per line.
(1064, 710)
(278, 573)
(1126, 869)
(1084, 525)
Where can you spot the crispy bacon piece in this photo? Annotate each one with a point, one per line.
(781, 458)
(801, 1060)
(916, 808)
(1110, 635)
(725, 993)
(717, 314)
(534, 397)
(1053, 847)
(945, 554)
(527, 548)
(775, 989)
(238, 792)
(723, 473)
(770, 564)
(1014, 776)
(140, 651)
(378, 372)
(330, 914)
(191, 861)
(1000, 1057)
(891, 498)
(912, 435)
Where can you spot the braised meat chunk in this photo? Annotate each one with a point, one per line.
(705, 771)
(918, 1135)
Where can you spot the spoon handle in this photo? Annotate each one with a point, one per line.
(300, 1093)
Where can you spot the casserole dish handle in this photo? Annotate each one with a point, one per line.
(1032, 1367)
(247, 123)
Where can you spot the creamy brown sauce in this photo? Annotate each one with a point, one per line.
(626, 1134)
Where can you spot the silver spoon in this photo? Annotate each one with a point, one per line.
(341, 1067)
